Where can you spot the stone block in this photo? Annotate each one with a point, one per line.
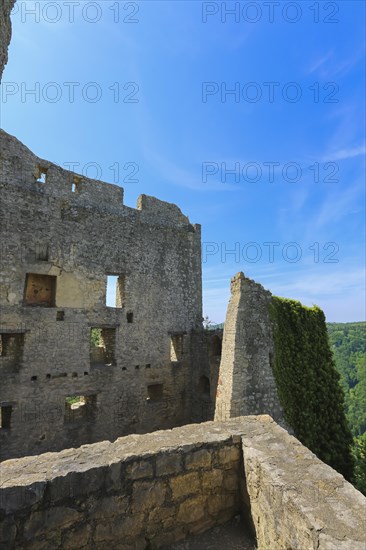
(148, 494)
(140, 469)
(184, 485)
(50, 520)
(198, 459)
(229, 454)
(168, 464)
(192, 510)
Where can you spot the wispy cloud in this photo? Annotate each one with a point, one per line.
(176, 175)
(346, 153)
(319, 62)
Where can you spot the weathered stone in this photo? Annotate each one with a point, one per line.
(140, 469)
(78, 537)
(168, 464)
(184, 485)
(248, 344)
(5, 32)
(61, 239)
(108, 507)
(54, 518)
(212, 480)
(192, 510)
(147, 494)
(229, 455)
(198, 459)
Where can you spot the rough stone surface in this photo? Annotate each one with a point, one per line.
(246, 382)
(5, 31)
(136, 381)
(89, 497)
(298, 502)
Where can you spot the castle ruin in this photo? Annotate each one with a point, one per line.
(101, 336)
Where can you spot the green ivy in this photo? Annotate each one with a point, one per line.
(308, 383)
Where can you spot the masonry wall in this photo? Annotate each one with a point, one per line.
(157, 488)
(5, 32)
(246, 383)
(61, 235)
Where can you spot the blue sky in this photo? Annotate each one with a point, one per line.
(150, 97)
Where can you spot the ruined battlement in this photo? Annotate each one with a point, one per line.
(75, 194)
(152, 490)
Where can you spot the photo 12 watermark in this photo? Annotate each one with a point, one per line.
(269, 252)
(69, 92)
(120, 12)
(269, 172)
(268, 92)
(270, 12)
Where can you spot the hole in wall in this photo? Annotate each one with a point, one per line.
(102, 346)
(176, 347)
(60, 316)
(115, 291)
(34, 378)
(42, 252)
(5, 416)
(129, 317)
(41, 174)
(79, 407)
(11, 347)
(40, 290)
(154, 392)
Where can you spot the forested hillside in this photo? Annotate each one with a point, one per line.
(348, 343)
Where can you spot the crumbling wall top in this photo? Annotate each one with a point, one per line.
(21, 168)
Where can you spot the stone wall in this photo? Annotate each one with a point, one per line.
(298, 502)
(62, 235)
(246, 382)
(156, 488)
(146, 491)
(5, 31)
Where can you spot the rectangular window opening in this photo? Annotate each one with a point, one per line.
(40, 290)
(42, 252)
(41, 174)
(129, 317)
(11, 346)
(102, 346)
(5, 416)
(80, 407)
(154, 392)
(176, 347)
(115, 293)
(75, 184)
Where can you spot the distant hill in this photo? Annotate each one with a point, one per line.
(348, 344)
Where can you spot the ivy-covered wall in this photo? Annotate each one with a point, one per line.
(308, 383)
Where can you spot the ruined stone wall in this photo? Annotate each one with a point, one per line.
(246, 382)
(157, 488)
(5, 31)
(61, 235)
